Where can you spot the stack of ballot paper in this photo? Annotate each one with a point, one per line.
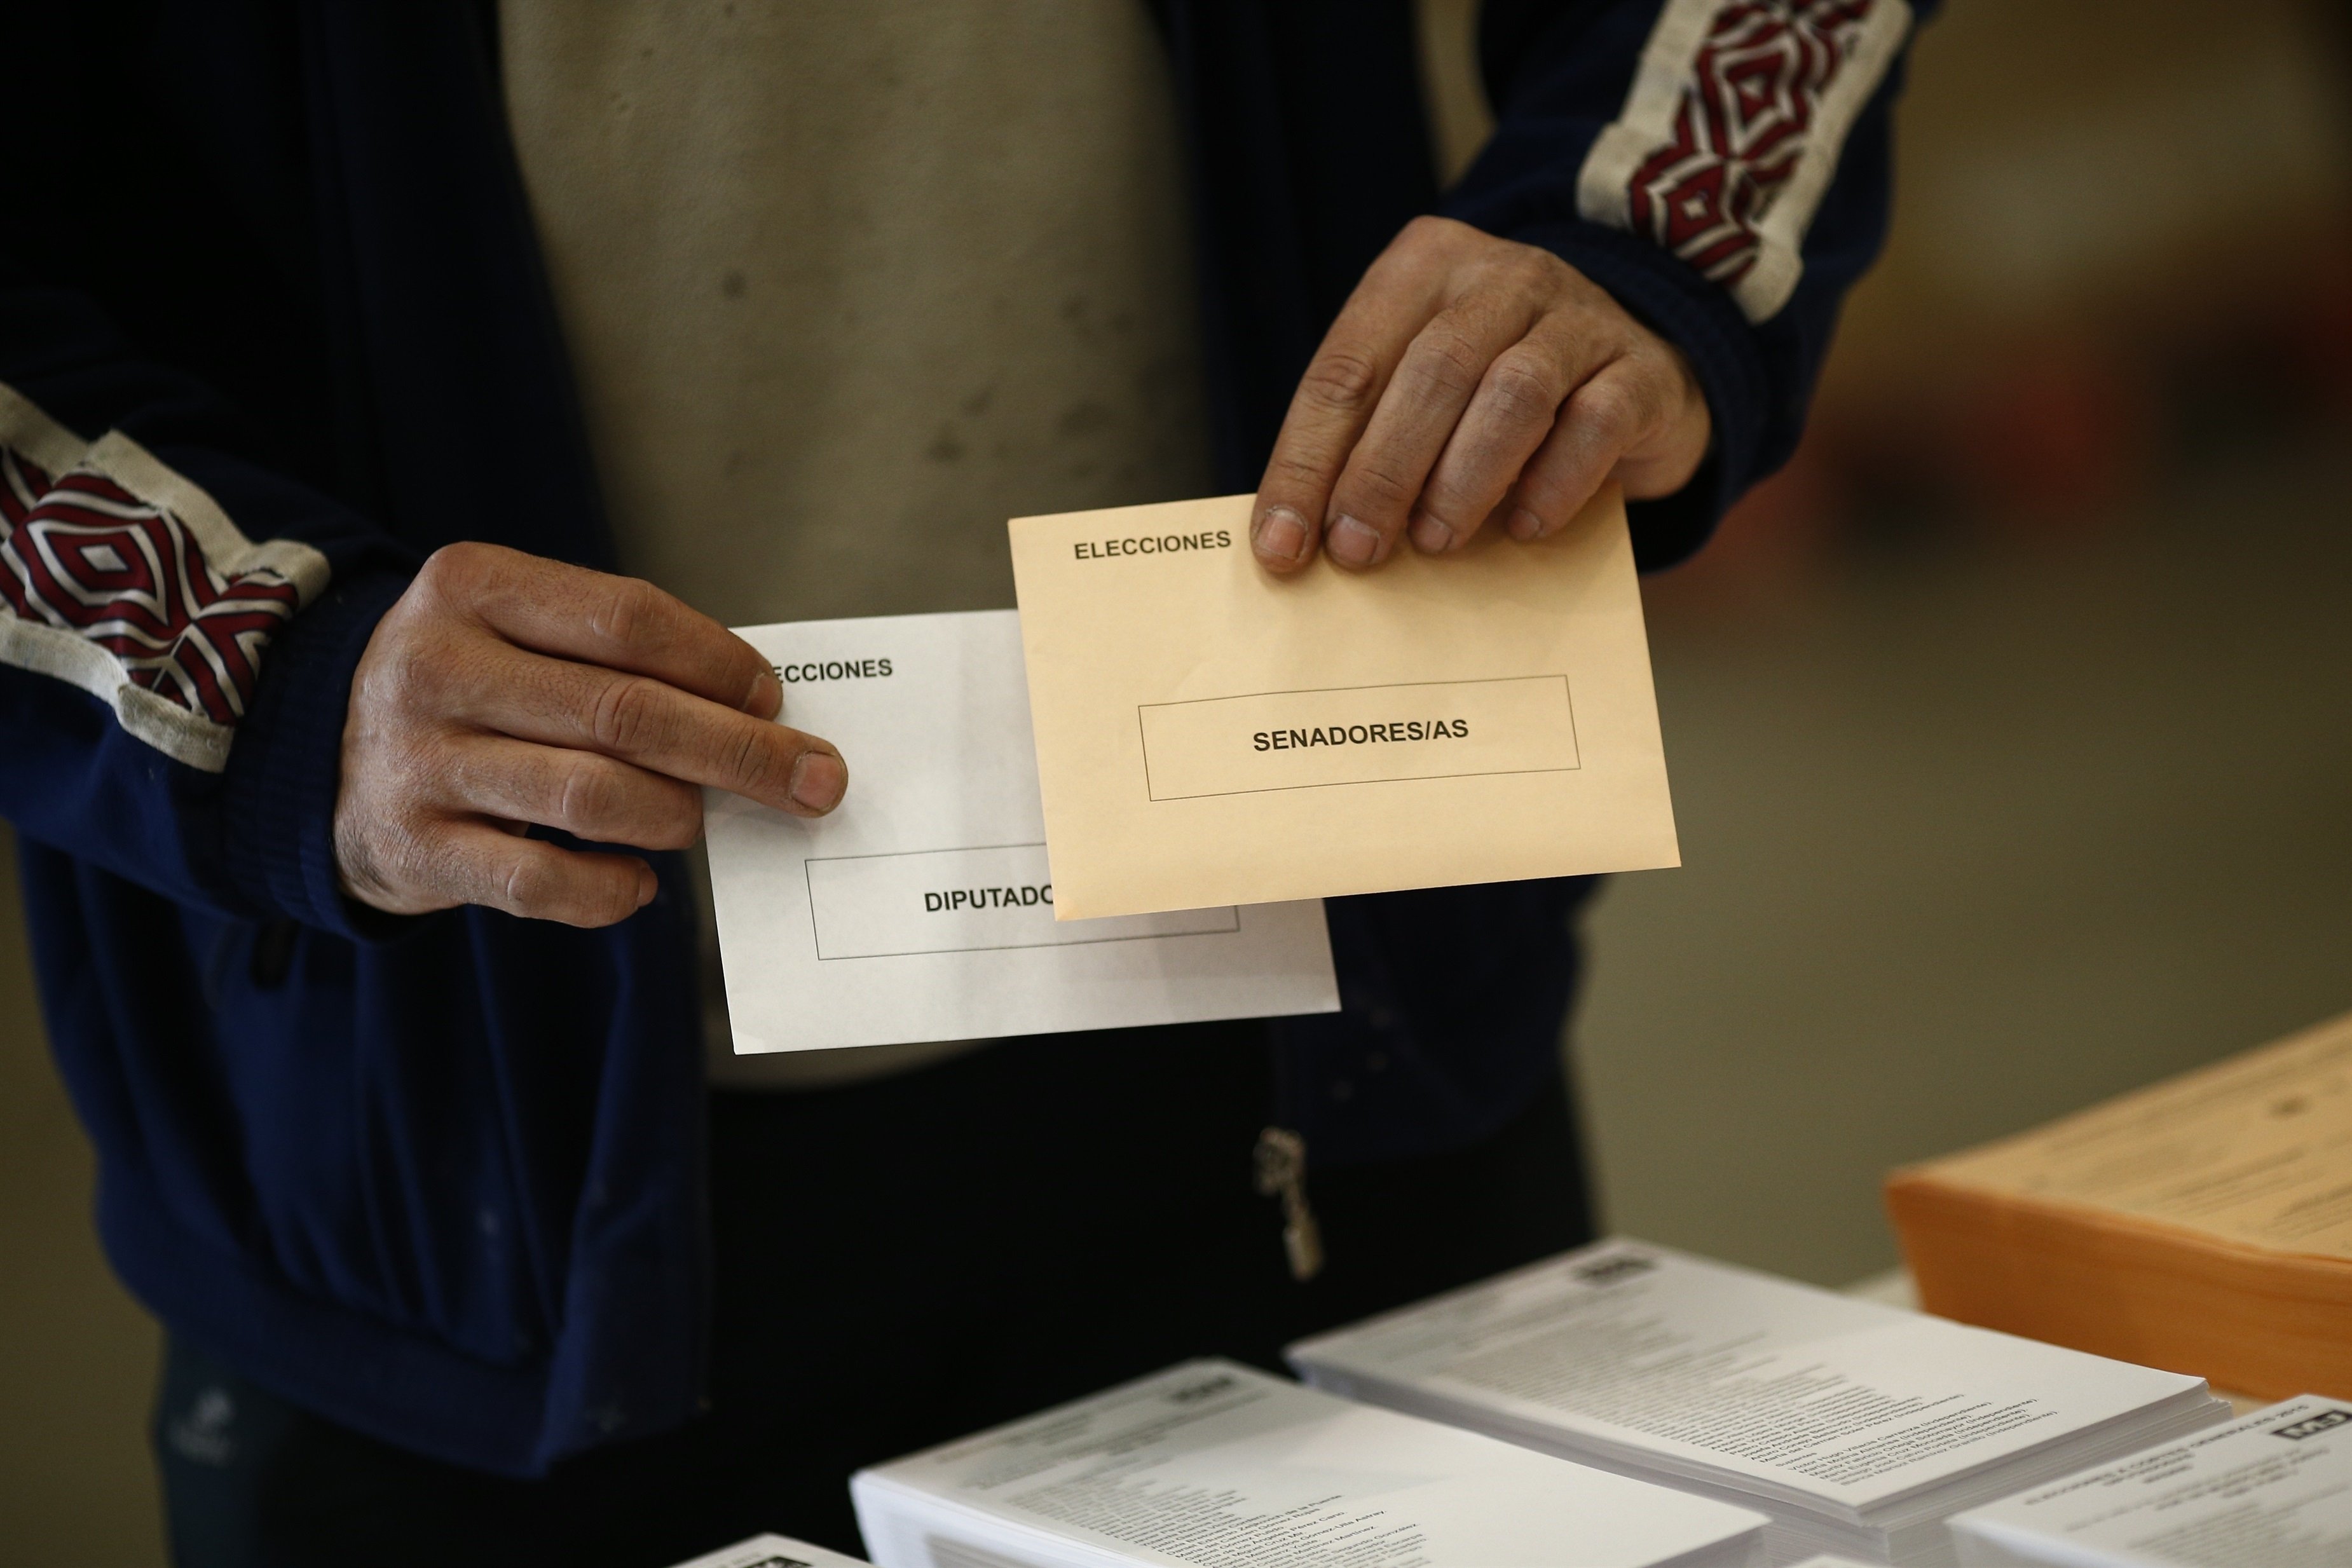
(2270, 1490)
(1860, 1429)
(1213, 1465)
(774, 1552)
(2203, 1223)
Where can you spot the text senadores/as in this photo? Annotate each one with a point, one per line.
(1361, 734)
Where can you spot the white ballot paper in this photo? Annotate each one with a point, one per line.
(774, 1552)
(1861, 1428)
(2273, 1489)
(1216, 1465)
(922, 908)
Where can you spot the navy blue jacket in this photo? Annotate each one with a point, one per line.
(273, 327)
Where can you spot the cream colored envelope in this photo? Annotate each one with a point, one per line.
(1210, 734)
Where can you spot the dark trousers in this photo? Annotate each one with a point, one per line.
(898, 1263)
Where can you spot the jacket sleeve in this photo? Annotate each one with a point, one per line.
(1721, 167)
(179, 625)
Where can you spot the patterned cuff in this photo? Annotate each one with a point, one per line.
(1732, 132)
(286, 770)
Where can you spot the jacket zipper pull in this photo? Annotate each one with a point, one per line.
(1281, 1164)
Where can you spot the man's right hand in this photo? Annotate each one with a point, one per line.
(505, 691)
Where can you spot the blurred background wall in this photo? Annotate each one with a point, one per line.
(2010, 728)
(78, 1357)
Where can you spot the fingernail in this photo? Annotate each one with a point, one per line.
(1525, 524)
(819, 781)
(1430, 536)
(1280, 535)
(1352, 543)
(648, 886)
(767, 698)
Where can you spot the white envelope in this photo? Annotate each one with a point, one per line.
(922, 908)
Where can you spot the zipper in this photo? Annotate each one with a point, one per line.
(1280, 1162)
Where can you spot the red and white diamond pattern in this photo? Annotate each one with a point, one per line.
(1754, 90)
(81, 553)
(1731, 132)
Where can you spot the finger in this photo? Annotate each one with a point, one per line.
(1604, 418)
(1669, 458)
(589, 796)
(620, 622)
(655, 725)
(1439, 373)
(1335, 400)
(473, 862)
(1518, 402)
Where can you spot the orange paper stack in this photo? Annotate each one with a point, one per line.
(2203, 1225)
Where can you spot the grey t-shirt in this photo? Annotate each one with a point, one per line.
(846, 284)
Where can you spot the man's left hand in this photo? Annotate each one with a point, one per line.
(1471, 382)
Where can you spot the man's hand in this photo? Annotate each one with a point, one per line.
(504, 691)
(1471, 381)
